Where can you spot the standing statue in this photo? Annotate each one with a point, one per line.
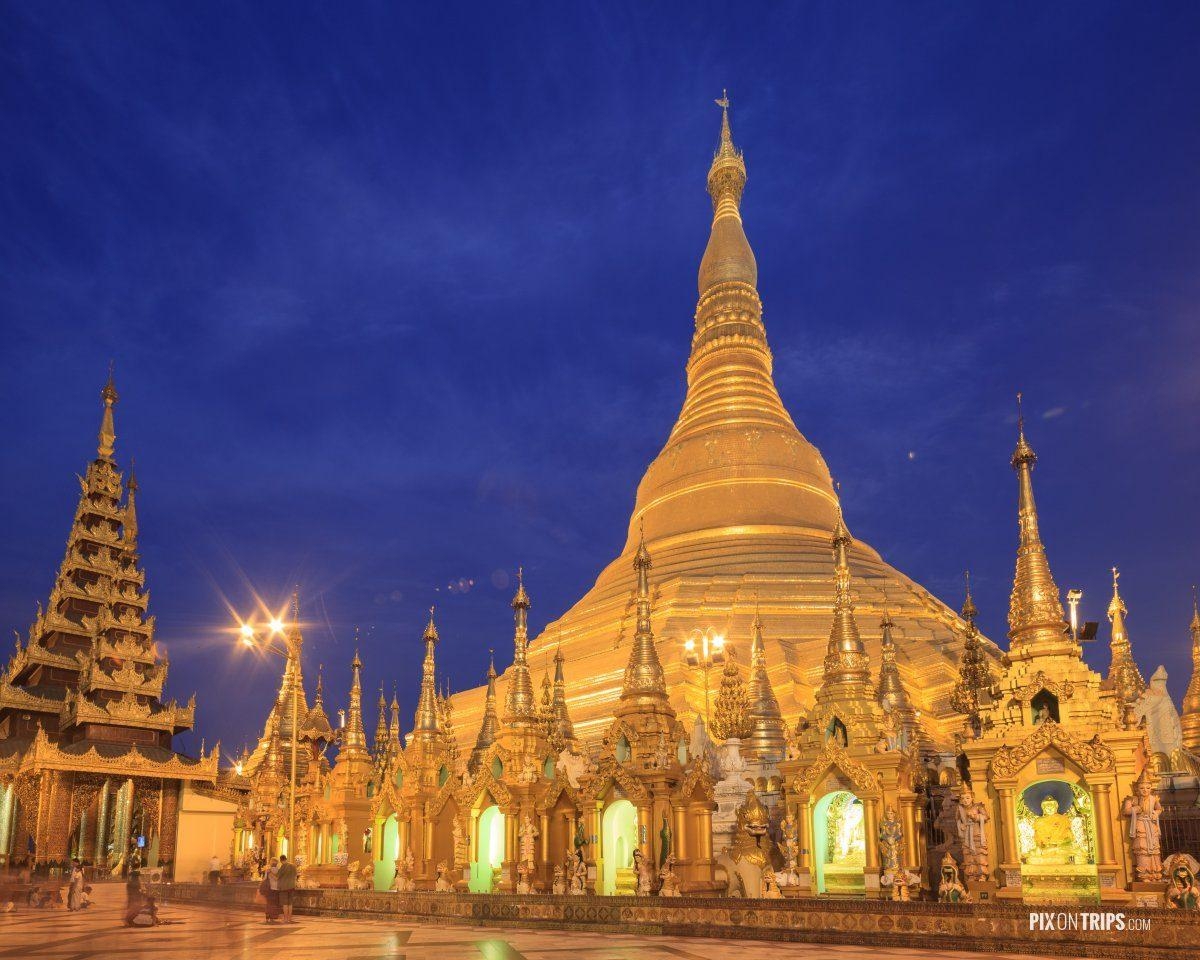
(580, 837)
(577, 873)
(950, 888)
(889, 843)
(971, 824)
(366, 841)
(662, 753)
(668, 879)
(559, 887)
(528, 833)
(1143, 810)
(1164, 728)
(664, 841)
(445, 880)
(1183, 893)
(462, 855)
(791, 843)
(645, 873)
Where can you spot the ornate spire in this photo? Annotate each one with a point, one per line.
(846, 662)
(644, 683)
(728, 257)
(316, 724)
(1123, 678)
(426, 725)
(491, 723)
(129, 524)
(394, 724)
(891, 692)
(564, 729)
(1035, 614)
(108, 434)
(519, 704)
(731, 718)
(381, 727)
(1191, 697)
(354, 737)
(767, 735)
(975, 678)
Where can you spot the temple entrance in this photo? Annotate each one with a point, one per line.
(1056, 837)
(839, 843)
(389, 852)
(619, 839)
(489, 853)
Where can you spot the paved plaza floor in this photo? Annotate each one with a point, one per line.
(204, 932)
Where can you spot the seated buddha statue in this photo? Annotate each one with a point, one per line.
(1054, 840)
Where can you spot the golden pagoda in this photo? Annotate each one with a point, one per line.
(738, 505)
(87, 767)
(1190, 718)
(1046, 777)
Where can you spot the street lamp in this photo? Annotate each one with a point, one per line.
(267, 643)
(704, 649)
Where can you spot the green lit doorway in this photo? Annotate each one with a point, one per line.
(839, 842)
(620, 829)
(489, 853)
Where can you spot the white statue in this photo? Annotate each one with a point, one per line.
(528, 834)
(645, 873)
(559, 887)
(576, 872)
(668, 879)
(1143, 810)
(445, 879)
(403, 882)
(971, 823)
(791, 842)
(356, 880)
(1162, 723)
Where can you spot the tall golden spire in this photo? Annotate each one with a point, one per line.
(490, 726)
(847, 666)
(354, 737)
(891, 692)
(644, 683)
(394, 723)
(1190, 718)
(519, 704)
(767, 739)
(728, 257)
(108, 434)
(381, 726)
(426, 725)
(1123, 678)
(1035, 614)
(564, 729)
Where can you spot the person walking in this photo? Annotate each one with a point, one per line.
(285, 883)
(269, 892)
(75, 886)
(214, 869)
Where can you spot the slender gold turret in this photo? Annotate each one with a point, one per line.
(394, 722)
(519, 704)
(354, 737)
(1124, 678)
(1190, 718)
(108, 434)
(381, 728)
(426, 728)
(1035, 614)
(847, 667)
(643, 685)
(491, 723)
(891, 692)
(564, 729)
(768, 738)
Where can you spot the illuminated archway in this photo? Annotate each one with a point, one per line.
(619, 839)
(489, 854)
(389, 852)
(839, 843)
(1056, 838)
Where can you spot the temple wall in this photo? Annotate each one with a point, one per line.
(204, 828)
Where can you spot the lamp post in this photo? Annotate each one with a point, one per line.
(704, 649)
(267, 643)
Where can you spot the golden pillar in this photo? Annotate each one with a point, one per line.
(427, 841)
(871, 831)
(1006, 824)
(908, 817)
(680, 838)
(545, 838)
(643, 839)
(804, 818)
(1106, 854)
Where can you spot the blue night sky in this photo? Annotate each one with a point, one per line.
(401, 297)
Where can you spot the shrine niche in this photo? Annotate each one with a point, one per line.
(1056, 840)
(839, 842)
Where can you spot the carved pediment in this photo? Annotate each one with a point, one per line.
(1091, 756)
(1040, 681)
(610, 773)
(833, 757)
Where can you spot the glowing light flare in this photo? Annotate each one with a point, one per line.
(276, 625)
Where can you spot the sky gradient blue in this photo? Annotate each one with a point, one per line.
(400, 296)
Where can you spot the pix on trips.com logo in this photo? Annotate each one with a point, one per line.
(1048, 922)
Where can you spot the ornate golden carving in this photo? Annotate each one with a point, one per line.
(832, 756)
(1040, 681)
(1091, 756)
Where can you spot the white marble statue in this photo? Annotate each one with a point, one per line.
(528, 834)
(1162, 725)
(668, 879)
(971, 823)
(645, 873)
(1143, 810)
(445, 879)
(403, 881)
(573, 766)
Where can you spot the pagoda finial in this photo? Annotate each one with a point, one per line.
(1124, 677)
(969, 610)
(354, 737)
(1035, 613)
(644, 686)
(108, 434)
(845, 655)
(519, 703)
(728, 256)
(767, 736)
(427, 724)
(489, 727)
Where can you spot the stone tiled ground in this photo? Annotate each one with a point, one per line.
(208, 932)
